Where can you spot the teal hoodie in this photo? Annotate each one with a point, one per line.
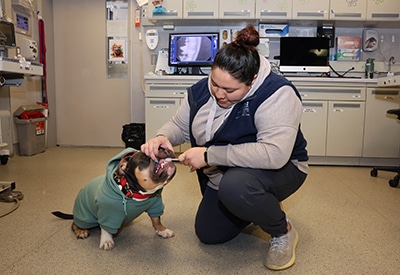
(102, 203)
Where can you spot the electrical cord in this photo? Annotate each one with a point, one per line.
(11, 196)
(343, 74)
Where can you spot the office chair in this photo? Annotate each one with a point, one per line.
(374, 172)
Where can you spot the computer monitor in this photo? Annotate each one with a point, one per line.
(192, 49)
(304, 54)
(7, 34)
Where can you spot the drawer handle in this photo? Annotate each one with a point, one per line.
(390, 97)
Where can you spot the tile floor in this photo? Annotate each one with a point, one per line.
(349, 223)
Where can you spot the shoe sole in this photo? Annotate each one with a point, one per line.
(292, 260)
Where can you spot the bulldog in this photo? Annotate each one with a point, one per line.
(132, 185)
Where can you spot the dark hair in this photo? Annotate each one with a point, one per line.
(240, 58)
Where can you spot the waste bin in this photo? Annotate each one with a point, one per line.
(31, 129)
(133, 135)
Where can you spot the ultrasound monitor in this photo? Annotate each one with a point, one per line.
(192, 49)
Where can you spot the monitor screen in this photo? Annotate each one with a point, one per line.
(304, 54)
(7, 34)
(192, 49)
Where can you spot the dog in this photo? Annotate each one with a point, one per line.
(131, 186)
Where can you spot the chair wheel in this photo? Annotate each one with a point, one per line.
(374, 172)
(395, 181)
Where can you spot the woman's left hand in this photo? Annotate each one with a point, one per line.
(193, 157)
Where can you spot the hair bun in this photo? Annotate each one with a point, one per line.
(248, 36)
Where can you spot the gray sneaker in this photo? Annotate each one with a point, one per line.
(281, 252)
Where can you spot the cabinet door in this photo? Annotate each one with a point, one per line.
(348, 10)
(200, 9)
(382, 132)
(278, 9)
(313, 126)
(157, 112)
(387, 10)
(345, 129)
(310, 9)
(237, 9)
(173, 10)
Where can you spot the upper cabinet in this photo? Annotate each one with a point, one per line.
(383, 10)
(311, 9)
(237, 9)
(348, 9)
(169, 10)
(200, 9)
(278, 9)
(282, 10)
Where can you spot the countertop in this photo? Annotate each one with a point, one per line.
(294, 79)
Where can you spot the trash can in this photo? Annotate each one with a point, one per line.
(31, 129)
(133, 135)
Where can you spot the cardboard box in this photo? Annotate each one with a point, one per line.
(348, 48)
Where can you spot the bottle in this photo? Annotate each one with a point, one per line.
(369, 68)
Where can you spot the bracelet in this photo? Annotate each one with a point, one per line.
(205, 156)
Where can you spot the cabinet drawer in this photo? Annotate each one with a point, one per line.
(166, 91)
(339, 93)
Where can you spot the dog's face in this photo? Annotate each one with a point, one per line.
(150, 175)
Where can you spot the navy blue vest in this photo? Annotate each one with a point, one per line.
(239, 127)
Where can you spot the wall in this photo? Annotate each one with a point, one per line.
(91, 109)
(86, 108)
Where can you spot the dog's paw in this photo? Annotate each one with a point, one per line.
(79, 232)
(106, 240)
(167, 233)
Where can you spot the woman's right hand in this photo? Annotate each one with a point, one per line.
(150, 148)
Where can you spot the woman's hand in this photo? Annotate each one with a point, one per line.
(150, 148)
(194, 158)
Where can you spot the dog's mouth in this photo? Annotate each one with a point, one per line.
(164, 168)
(164, 165)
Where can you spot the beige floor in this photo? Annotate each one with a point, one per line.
(349, 223)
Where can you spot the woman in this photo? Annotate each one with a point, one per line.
(243, 122)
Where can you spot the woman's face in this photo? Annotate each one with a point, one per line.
(226, 89)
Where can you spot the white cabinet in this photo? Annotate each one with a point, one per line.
(173, 10)
(348, 10)
(311, 9)
(382, 132)
(237, 9)
(164, 95)
(278, 9)
(200, 9)
(157, 112)
(387, 10)
(333, 120)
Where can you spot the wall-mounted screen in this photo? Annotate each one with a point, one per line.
(192, 49)
(7, 34)
(304, 54)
